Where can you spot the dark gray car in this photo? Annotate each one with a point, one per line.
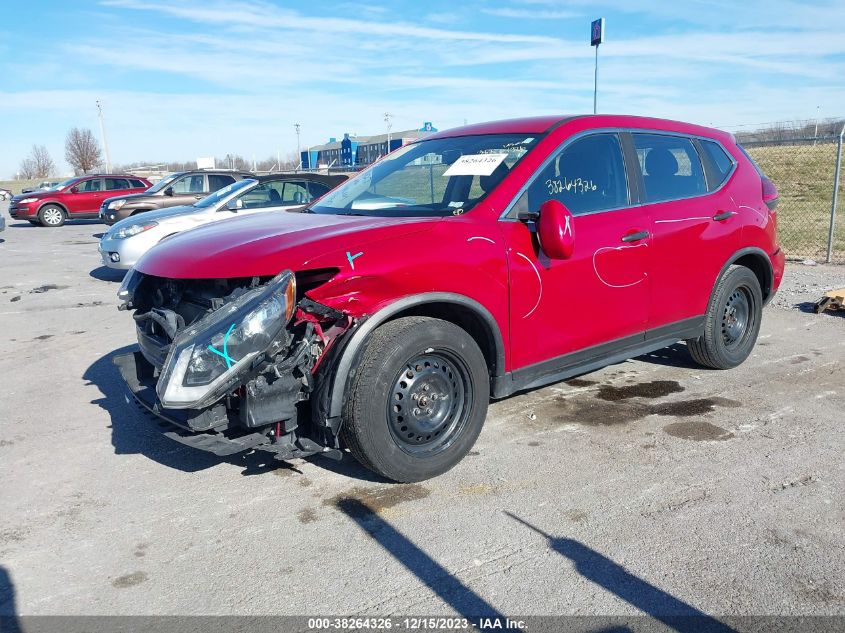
(180, 188)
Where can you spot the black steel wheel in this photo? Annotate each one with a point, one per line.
(417, 399)
(429, 404)
(732, 322)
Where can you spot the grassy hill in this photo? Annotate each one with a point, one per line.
(15, 186)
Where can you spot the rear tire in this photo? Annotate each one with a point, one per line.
(51, 215)
(732, 321)
(417, 399)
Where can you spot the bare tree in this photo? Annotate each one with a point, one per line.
(44, 165)
(38, 164)
(82, 151)
(27, 169)
(233, 161)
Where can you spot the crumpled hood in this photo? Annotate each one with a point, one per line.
(150, 216)
(264, 244)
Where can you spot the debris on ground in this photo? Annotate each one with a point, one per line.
(832, 300)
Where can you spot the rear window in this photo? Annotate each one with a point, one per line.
(218, 181)
(113, 184)
(670, 166)
(720, 160)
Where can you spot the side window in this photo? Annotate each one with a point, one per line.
(670, 165)
(138, 184)
(317, 189)
(116, 183)
(189, 184)
(267, 194)
(218, 181)
(588, 175)
(295, 193)
(95, 184)
(722, 163)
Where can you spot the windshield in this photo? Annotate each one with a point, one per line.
(161, 184)
(432, 177)
(219, 195)
(66, 183)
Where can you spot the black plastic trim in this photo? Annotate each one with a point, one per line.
(595, 357)
(353, 347)
(770, 273)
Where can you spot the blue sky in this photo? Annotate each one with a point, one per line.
(195, 78)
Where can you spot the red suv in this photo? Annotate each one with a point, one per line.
(470, 264)
(76, 198)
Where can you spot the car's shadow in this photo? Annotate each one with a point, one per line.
(676, 355)
(104, 273)
(135, 431)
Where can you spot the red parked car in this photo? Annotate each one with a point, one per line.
(470, 264)
(76, 198)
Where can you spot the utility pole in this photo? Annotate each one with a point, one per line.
(816, 133)
(103, 133)
(387, 117)
(297, 127)
(596, 38)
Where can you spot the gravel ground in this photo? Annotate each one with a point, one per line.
(804, 284)
(652, 486)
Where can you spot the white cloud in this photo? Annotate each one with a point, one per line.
(530, 14)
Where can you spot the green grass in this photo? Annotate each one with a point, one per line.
(15, 186)
(804, 178)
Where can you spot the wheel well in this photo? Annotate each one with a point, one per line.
(465, 318)
(53, 204)
(137, 211)
(761, 268)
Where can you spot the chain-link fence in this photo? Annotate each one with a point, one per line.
(804, 172)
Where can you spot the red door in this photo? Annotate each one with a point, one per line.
(86, 196)
(695, 232)
(600, 293)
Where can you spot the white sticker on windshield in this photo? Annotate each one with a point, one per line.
(475, 165)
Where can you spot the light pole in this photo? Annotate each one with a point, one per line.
(816, 132)
(596, 38)
(387, 117)
(103, 133)
(297, 127)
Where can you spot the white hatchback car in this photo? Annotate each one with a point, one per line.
(124, 243)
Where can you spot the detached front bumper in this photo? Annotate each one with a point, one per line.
(181, 425)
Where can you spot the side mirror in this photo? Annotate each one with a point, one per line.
(235, 205)
(556, 230)
(168, 191)
(74, 189)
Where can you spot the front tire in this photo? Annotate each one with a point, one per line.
(51, 215)
(417, 400)
(732, 321)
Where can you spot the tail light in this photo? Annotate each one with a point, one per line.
(770, 193)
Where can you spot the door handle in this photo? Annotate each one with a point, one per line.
(724, 215)
(197, 197)
(635, 237)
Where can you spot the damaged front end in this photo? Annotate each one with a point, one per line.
(229, 364)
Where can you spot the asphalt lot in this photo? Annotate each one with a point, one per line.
(721, 491)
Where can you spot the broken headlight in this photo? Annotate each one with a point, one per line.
(207, 359)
